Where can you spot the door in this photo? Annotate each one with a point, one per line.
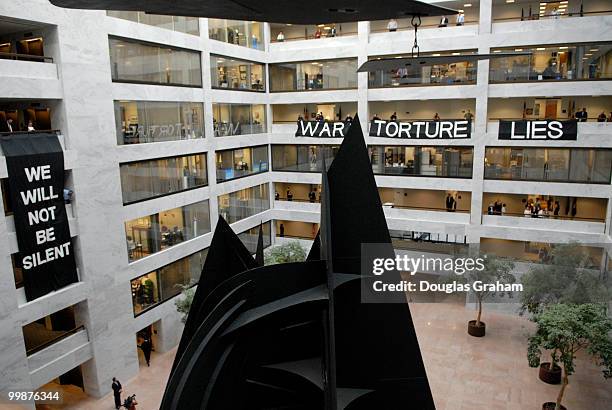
(551, 109)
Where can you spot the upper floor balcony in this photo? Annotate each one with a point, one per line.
(553, 63)
(182, 24)
(338, 74)
(27, 53)
(247, 34)
(558, 18)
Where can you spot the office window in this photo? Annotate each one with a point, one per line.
(243, 33)
(164, 283)
(189, 25)
(314, 75)
(250, 237)
(549, 164)
(236, 74)
(153, 233)
(137, 62)
(140, 122)
(453, 162)
(236, 163)
(462, 72)
(238, 205)
(142, 180)
(302, 158)
(238, 119)
(557, 62)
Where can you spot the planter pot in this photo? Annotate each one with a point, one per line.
(476, 331)
(550, 405)
(550, 376)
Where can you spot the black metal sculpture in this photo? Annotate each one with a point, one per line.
(297, 335)
(276, 11)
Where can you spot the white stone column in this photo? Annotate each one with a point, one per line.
(486, 16)
(90, 130)
(363, 30)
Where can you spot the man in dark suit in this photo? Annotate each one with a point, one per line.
(117, 392)
(582, 116)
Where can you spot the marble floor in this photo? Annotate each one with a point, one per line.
(465, 373)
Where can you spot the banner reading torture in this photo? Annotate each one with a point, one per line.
(35, 164)
(446, 129)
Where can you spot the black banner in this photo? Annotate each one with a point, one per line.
(35, 164)
(443, 129)
(322, 129)
(538, 130)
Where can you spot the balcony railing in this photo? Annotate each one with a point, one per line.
(25, 57)
(536, 16)
(53, 340)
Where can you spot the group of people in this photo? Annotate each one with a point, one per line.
(392, 25)
(602, 117)
(451, 203)
(330, 32)
(129, 403)
(496, 208)
(393, 118)
(10, 126)
(312, 195)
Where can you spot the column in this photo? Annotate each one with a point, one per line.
(363, 30)
(102, 254)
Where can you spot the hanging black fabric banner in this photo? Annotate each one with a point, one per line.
(322, 129)
(443, 129)
(35, 164)
(538, 130)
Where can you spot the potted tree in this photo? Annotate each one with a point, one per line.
(494, 270)
(567, 329)
(285, 253)
(568, 277)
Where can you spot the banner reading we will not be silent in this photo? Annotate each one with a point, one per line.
(35, 164)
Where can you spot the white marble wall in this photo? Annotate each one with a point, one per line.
(79, 84)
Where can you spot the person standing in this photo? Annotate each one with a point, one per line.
(116, 386)
(289, 195)
(280, 37)
(601, 117)
(468, 115)
(460, 19)
(9, 124)
(282, 230)
(394, 116)
(312, 196)
(392, 25)
(443, 21)
(582, 116)
(147, 347)
(436, 117)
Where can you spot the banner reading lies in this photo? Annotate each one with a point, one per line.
(443, 129)
(35, 164)
(538, 130)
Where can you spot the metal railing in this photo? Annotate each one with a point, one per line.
(54, 340)
(25, 57)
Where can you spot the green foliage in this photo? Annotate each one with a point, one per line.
(183, 302)
(568, 278)
(285, 253)
(568, 328)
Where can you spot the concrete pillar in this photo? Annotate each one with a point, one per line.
(363, 30)
(107, 314)
(485, 17)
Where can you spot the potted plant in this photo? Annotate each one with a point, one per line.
(285, 253)
(566, 278)
(567, 329)
(495, 270)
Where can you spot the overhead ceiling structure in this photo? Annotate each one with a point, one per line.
(273, 11)
(297, 336)
(393, 63)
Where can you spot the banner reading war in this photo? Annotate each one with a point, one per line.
(35, 164)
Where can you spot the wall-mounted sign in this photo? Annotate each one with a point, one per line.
(538, 130)
(35, 164)
(322, 129)
(447, 129)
